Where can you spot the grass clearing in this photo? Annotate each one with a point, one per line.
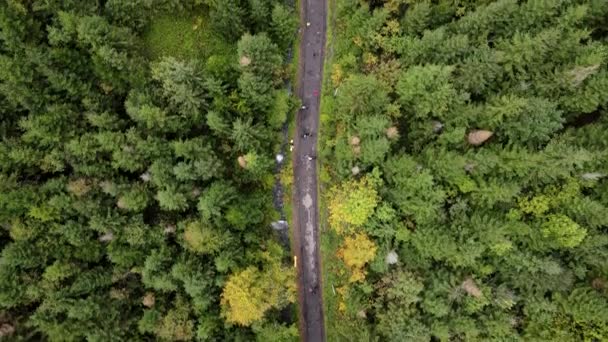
(184, 36)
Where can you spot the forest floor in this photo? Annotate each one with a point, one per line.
(306, 211)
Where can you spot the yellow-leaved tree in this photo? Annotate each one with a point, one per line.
(351, 204)
(356, 251)
(248, 294)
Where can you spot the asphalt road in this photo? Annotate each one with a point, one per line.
(306, 210)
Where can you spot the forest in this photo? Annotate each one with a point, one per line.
(464, 164)
(137, 143)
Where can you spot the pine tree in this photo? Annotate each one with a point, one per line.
(283, 25)
(361, 96)
(228, 17)
(182, 86)
(103, 153)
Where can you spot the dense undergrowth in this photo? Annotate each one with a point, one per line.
(466, 144)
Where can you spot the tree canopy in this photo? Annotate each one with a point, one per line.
(484, 126)
(124, 215)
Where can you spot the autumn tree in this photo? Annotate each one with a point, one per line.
(352, 204)
(356, 252)
(248, 294)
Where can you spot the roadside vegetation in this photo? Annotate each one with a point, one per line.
(465, 146)
(137, 143)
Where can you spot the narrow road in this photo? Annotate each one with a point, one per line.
(306, 210)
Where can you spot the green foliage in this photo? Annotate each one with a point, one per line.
(426, 91)
(204, 239)
(361, 95)
(280, 109)
(563, 230)
(263, 54)
(246, 135)
(170, 199)
(176, 326)
(228, 17)
(284, 25)
(134, 199)
(352, 204)
(122, 209)
(522, 120)
(214, 199)
(258, 165)
(412, 189)
(181, 85)
(259, 60)
(277, 333)
(495, 240)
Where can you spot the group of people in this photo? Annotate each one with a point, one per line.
(305, 135)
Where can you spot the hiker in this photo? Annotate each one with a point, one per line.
(306, 135)
(310, 158)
